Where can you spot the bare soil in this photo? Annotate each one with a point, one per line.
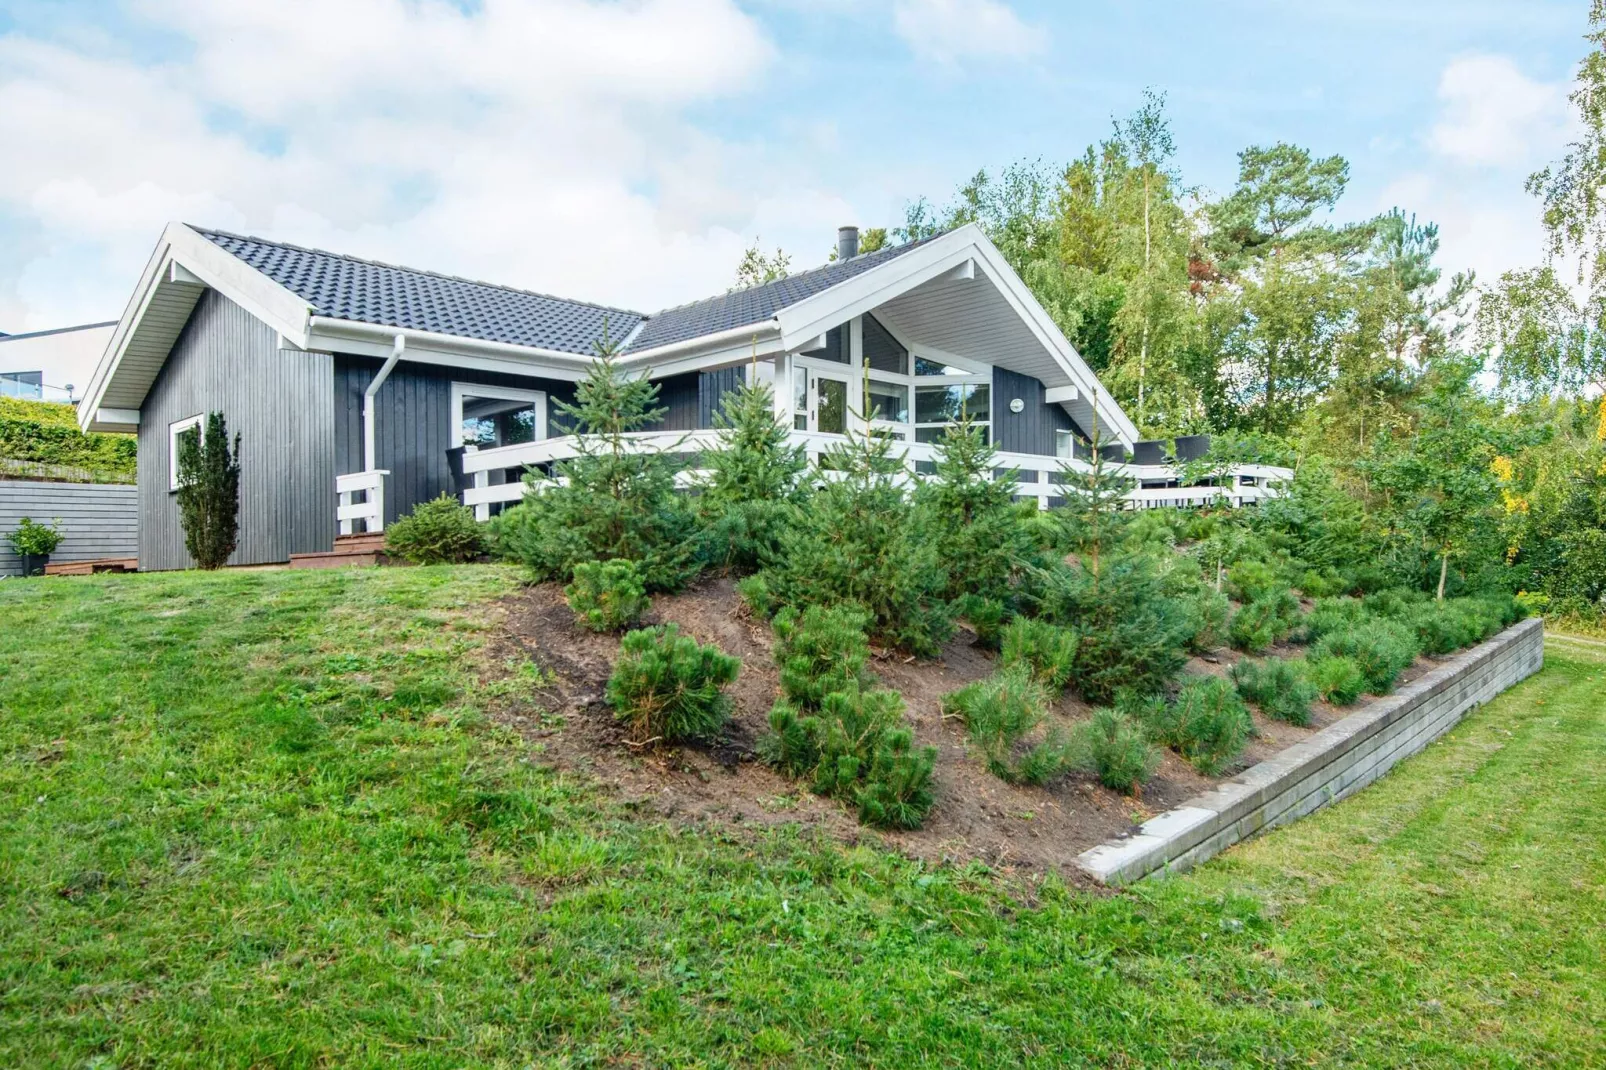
(977, 816)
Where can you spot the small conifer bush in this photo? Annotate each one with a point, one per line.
(1381, 649)
(1208, 612)
(986, 616)
(821, 650)
(607, 595)
(998, 712)
(756, 595)
(897, 794)
(1120, 752)
(668, 687)
(1278, 687)
(1250, 581)
(209, 492)
(1207, 724)
(1048, 650)
(440, 531)
(1337, 679)
(1268, 619)
(1331, 615)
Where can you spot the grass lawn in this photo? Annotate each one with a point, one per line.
(258, 819)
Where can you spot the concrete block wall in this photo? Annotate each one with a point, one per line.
(1332, 764)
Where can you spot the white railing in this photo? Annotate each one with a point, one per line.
(371, 510)
(1036, 475)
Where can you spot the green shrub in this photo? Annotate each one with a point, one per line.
(670, 688)
(856, 748)
(1120, 752)
(986, 616)
(1048, 650)
(1248, 581)
(1324, 583)
(1337, 679)
(47, 433)
(819, 651)
(861, 541)
(1269, 619)
(1208, 611)
(998, 712)
(753, 480)
(607, 595)
(209, 492)
(982, 536)
(610, 500)
(1207, 724)
(33, 539)
(441, 531)
(1278, 687)
(1443, 627)
(1381, 649)
(1331, 615)
(1395, 603)
(756, 595)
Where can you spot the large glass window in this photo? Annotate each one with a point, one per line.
(938, 406)
(491, 416)
(889, 402)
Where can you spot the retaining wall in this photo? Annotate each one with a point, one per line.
(97, 519)
(1340, 759)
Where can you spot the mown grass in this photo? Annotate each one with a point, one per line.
(259, 819)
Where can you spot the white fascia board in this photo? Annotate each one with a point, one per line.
(183, 257)
(125, 421)
(1020, 297)
(426, 347)
(753, 334)
(1060, 395)
(728, 357)
(870, 289)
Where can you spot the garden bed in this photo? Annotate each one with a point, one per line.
(977, 815)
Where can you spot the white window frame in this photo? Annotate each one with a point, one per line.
(174, 429)
(499, 393)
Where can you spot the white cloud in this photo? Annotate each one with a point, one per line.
(537, 143)
(950, 30)
(1493, 114)
(1494, 126)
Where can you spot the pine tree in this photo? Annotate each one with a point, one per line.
(982, 533)
(209, 492)
(753, 479)
(611, 500)
(1093, 504)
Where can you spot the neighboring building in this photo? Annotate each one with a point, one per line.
(52, 365)
(362, 389)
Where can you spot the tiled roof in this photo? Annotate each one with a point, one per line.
(343, 287)
(366, 291)
(755, 304)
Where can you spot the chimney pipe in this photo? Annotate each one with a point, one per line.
(847, 243)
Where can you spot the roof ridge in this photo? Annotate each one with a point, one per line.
(415, 271)
(828, 265)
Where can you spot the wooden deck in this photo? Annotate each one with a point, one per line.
(350, 551)
(89, 568)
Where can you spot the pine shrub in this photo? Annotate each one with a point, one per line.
(1337, 679)
(898, 794)
(440, 531)
(1331, 615)
(1048, 650)
(821, 650)
(981, 533)
(1278, 687)
(1208, 611)
(998, 712)
(1323, 583)
(1381, 649)
(753, 482)
(1208, 724)
(209, 493)
(1268, 619)
(667, 687)
(1120, 752)
(1443, 627)
(986, 617)
(755, 593)
(1249, 581)
(861, 541)
(610, 500)
(607, 595)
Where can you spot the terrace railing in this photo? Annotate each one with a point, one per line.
(1036, 477)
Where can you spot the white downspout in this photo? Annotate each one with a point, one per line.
(396, 350)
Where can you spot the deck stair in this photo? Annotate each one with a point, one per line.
(89, 568)
(350, 551)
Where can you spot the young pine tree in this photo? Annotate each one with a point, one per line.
(862, 541)
(982, 534)
(1092, 509)
(753, 482)
(209, 492)
(611, 500)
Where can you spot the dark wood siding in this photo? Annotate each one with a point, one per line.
(228, 361)
(1032, 429)
(97, 519)
(678, 394)
(711, 387)
(413, 422)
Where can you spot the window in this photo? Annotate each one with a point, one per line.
(486, 417)
(889, 402)
(190, 429)
(938, 406)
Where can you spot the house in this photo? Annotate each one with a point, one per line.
(361, 389)
(51, 365)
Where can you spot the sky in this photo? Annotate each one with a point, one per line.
(627, 151)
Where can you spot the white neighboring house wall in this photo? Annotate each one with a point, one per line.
(64, 358)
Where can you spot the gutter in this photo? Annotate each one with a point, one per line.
(397, 348)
